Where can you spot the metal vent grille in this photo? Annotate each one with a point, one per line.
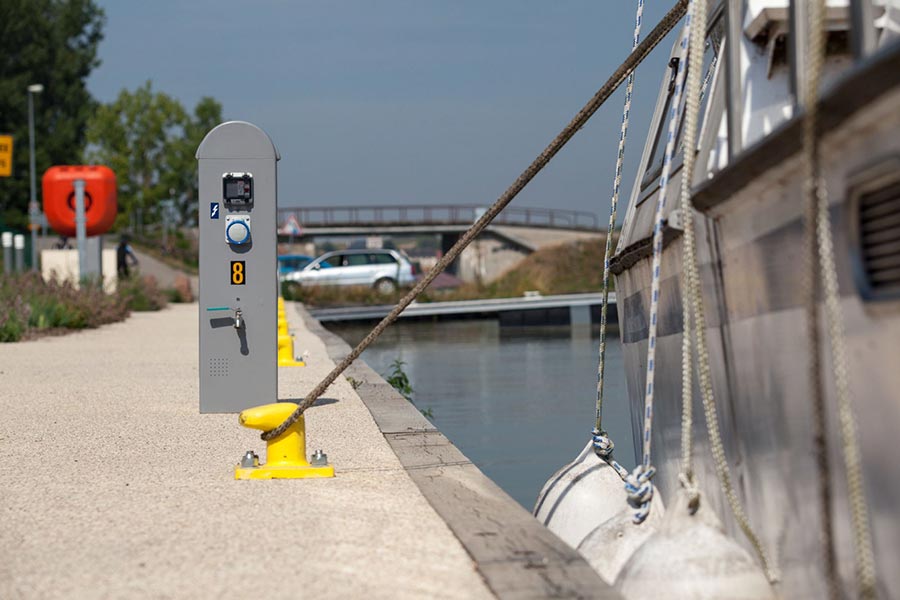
(218, 367)
(879, 239)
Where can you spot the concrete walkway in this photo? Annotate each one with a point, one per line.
(113, 486)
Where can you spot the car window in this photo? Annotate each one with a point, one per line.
(337, 260)
(382, 259)
(354, 260)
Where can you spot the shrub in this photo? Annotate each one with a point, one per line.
(13, 319)
(338, 295)
(29, 305)
(141, 293)
(182, 291)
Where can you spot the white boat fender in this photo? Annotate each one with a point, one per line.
(580, 496)
(691, 557)
(608, 547)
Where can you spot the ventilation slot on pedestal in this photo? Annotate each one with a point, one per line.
(879, 239)
(218, 367)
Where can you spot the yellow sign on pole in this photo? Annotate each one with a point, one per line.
(6, 148)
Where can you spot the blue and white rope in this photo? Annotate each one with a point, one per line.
(637, 484)
(603, 448)
(617, 182)
(603, 445)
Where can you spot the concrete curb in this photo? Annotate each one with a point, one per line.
(515, 554)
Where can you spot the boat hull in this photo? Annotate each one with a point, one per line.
(752, 269)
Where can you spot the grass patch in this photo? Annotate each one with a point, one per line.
(564, 269)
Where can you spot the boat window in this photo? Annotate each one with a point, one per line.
(710, 58)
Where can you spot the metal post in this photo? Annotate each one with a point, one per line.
(32, 203)
(80, 227)
(862, 28)
(168, 208)
(19, 243)
(733, 97)
(7, 240)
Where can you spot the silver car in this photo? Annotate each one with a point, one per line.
(384, 270)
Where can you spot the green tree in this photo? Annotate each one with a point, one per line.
(182, 173)
(54, 43)
(149, 140)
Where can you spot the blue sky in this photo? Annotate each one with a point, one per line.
(396, 101)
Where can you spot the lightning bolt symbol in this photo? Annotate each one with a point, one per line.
(215, 210)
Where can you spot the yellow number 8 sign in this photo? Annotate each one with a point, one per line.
(238, 272)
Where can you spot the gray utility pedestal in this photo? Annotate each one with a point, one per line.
(238, 274)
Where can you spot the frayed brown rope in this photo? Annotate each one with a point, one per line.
(618, 77)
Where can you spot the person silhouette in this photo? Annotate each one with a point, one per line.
(124, 254)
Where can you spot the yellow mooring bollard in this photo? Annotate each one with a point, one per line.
(286, 356)
(285, 454)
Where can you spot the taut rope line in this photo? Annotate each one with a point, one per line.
(616, 79)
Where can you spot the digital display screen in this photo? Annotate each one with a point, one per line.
(238, 188)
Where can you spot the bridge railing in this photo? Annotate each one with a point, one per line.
(433, 214)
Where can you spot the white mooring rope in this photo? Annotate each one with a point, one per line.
(638, 484)
(694, 315)
(603, 444)
(817, 199)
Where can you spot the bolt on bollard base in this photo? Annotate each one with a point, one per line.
(285, 454)
(286, 356)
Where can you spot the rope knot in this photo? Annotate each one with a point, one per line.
(689, 485)
(603, 444)
(640, 491)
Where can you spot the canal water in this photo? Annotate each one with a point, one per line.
(519, 402)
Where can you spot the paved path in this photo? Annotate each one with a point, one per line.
(113, 486)
(164, 274)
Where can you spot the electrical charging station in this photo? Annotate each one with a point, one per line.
(238, 270)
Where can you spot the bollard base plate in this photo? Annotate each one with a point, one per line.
(290, 362)
(283, 472)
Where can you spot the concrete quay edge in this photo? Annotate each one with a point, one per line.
(517, 556)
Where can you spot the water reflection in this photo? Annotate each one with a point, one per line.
(519, 402)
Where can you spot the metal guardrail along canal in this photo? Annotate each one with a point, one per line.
(434, 214)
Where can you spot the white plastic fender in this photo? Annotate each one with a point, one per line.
(608, 547)
(579, 497)
(691, 557)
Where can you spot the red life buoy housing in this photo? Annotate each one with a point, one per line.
(100, 206)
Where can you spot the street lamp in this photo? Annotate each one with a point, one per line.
(35, 88)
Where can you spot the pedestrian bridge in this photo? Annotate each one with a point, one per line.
(310, 221)
(514, 234)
